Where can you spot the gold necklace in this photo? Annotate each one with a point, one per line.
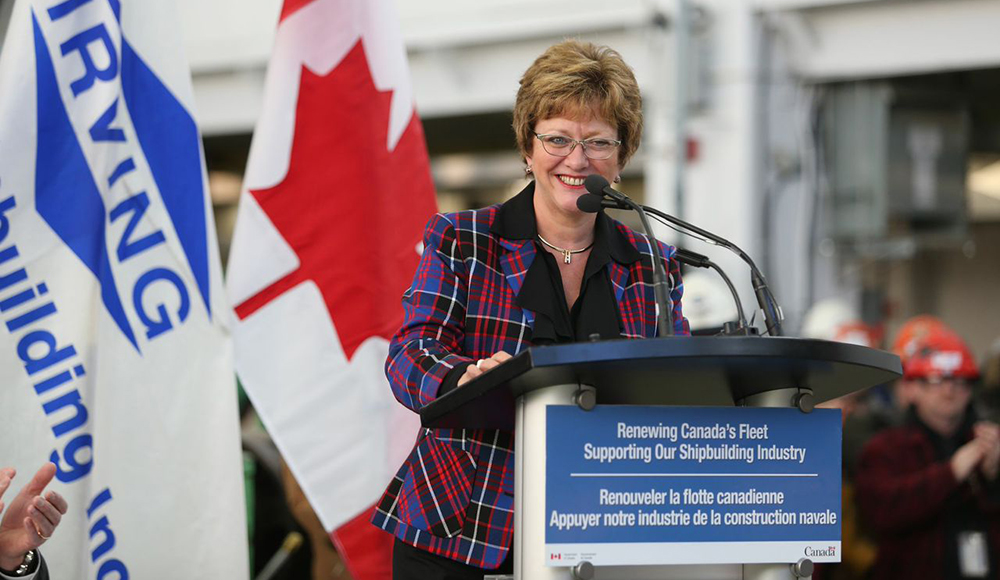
(567, 254)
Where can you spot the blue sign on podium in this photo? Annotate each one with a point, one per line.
(691, 485)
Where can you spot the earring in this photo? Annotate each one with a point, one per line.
(527, 170)
(618, 179)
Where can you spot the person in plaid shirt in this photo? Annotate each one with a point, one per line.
(492, 282)
(929, 488)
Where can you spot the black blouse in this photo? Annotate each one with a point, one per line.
(595, 310)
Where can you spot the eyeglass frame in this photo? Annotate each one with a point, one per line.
(582, 143)
(938, 381)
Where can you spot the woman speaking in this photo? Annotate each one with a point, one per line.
(492, 282)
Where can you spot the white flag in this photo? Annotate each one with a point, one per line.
(115, 358)
(337, 192)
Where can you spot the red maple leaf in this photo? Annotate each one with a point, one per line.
(290, 7)
(351, 210)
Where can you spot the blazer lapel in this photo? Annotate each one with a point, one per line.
(515, 263)
(619, 275)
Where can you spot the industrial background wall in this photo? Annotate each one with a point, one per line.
(793, 127)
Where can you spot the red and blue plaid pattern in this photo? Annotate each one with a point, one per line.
(908, 497)
(454, 494)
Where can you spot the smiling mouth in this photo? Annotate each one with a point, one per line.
(571, 181)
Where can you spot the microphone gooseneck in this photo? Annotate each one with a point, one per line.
(762, 292)
(697, 260)
(598, 186)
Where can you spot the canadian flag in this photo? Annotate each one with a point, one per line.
(336, 194)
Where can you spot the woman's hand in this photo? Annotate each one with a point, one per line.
(483, 365)
(31, 518)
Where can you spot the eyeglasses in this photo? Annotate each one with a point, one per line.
(594, 148)
(940, 382)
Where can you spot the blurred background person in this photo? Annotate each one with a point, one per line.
(835, 320)
(910, 338)
(928, 487)
(327, 564)
(708, 303)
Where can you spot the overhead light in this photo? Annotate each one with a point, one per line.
(986, 180)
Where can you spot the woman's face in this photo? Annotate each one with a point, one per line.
(559, 180)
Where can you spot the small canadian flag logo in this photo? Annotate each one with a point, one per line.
(555, 556)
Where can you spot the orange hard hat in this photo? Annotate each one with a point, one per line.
(940, 355)
(857, 332)
(914, 331)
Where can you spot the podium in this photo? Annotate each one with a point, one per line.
(669, 371)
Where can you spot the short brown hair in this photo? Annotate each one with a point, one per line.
(572, 77)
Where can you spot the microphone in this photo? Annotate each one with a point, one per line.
(693, 259)
(589, 203)
(599, 186)
(765, 298)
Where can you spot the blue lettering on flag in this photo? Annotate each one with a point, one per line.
(65, 8)
(81, 45)
(127, 247)
(169, 138)
(159, 324)
(40, 351)
(102, 129)
(66, 195)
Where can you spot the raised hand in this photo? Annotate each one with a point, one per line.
(31, 518)
(6, 475)
(988, 433)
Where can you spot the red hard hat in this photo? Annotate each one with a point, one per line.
(941, 355)
(858, 333)
(914, 331)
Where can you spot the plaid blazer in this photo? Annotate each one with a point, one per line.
(454, 494)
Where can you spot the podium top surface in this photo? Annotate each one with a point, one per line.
(709, 371)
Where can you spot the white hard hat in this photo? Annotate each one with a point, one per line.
(707, 301)
(825, 318)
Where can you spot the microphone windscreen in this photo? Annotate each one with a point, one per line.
(595, 184)
(589, 203)
(692, 258)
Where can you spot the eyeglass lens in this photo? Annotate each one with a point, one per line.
(562, 146)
